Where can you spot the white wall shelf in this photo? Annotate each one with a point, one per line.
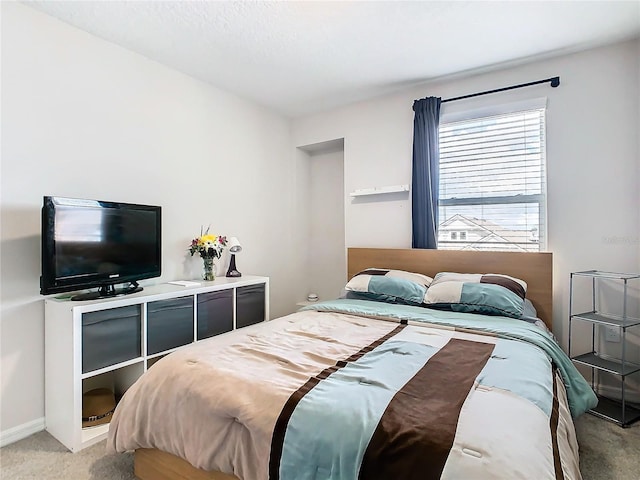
(379, 190)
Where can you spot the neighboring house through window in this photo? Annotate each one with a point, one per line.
(493, 182)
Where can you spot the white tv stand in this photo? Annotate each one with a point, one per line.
(109, 343)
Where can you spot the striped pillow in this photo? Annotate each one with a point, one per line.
(391, 286)
(490, 294)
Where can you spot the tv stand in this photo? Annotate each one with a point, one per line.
(108, 291)
(109, 343)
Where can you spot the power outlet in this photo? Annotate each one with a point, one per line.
(612, 334)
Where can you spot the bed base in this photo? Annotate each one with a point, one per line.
(152, 464)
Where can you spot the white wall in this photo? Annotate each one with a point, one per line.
(84, 118)
(592, 155)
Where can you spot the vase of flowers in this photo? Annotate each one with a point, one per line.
(209, 247)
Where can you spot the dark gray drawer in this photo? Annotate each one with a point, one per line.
(169, 324)
(215, 313)
(250, 306)
(110, 336)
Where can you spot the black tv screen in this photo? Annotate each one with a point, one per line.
(93, 243)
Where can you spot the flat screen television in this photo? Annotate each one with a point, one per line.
(92, 243)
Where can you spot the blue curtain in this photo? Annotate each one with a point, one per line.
(426, 172)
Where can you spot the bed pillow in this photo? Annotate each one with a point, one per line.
(530, 315)
(491, 294)
(391, 286)
(378, 298)
(529, 311)
(516, 285)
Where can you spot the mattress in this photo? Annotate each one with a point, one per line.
(353, 389)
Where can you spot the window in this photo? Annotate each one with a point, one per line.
(492, 183)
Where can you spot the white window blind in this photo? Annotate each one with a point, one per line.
(493, 183)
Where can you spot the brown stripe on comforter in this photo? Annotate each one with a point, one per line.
(416, 431)
(553, 424)
(280, 429)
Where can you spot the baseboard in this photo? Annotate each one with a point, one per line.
(14, 434)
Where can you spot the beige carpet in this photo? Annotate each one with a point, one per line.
(607, 452)
(42, 457)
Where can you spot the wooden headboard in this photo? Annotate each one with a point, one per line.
(533, 268)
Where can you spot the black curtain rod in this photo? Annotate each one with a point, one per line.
(555, 81)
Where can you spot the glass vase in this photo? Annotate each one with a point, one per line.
(209, 272)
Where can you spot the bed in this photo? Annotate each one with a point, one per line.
(363, 387)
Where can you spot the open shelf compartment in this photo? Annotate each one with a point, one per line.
(118, 381)
(612, 410)
(593, 359)
(608, 319)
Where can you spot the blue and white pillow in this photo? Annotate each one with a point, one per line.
(490, 294)
(391, 286)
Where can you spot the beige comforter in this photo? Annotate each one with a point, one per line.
(216, 403)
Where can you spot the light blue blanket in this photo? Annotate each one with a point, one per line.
(580, 395)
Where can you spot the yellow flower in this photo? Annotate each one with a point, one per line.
(208, 245)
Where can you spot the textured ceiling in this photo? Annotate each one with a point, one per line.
(304, 57)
